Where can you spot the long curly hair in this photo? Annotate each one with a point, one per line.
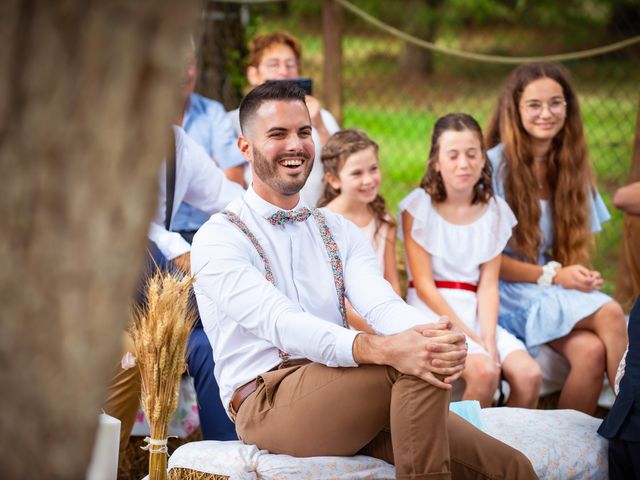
(569, 171)
(432, 182)
(340, 146)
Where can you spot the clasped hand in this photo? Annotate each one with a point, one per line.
(578, 277)
(435, 352)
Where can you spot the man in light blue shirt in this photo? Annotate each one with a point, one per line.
(206, 122)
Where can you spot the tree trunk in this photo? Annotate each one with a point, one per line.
(422, 23)
(332, 22)
(88, 87)
(222, 54)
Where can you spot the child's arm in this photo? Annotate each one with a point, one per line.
(627, 198)
(576, 277)
(390, 263)
(356, 321)
(420, 264)
(488, 301)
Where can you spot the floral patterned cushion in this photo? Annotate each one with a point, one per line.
(559, 443)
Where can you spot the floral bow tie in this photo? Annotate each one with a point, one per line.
(287, 216)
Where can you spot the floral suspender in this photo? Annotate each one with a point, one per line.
(332, 252)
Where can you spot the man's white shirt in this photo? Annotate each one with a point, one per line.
(248, 320)
(199, 182)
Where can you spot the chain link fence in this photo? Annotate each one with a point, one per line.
(395, 91)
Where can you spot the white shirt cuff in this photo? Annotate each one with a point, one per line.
(344, 349)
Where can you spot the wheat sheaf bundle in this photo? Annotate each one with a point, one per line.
(160, 329)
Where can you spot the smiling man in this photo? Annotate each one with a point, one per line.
(272, 277)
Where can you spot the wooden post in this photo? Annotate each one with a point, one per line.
(332, 66)
(624, 291)
(634, 175)
(221, 52)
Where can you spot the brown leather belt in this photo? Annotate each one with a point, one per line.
(242, 392)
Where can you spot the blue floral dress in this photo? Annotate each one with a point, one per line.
(537, 314)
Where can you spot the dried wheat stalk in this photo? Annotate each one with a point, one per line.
(160, 330)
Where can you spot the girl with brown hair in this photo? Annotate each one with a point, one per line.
(548, 292)
(352, 182)
(454, 231)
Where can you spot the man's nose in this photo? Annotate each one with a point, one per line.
(294, 142)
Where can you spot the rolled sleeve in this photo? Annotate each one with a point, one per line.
(170, 244)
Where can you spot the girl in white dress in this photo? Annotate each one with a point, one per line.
(454, 231)
(352, 181)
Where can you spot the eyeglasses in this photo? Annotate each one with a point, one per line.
(275, 65)
(557, 106)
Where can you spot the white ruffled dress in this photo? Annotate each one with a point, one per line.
(457, 252)
(378, 239)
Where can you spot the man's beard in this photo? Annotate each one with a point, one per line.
(267, 171)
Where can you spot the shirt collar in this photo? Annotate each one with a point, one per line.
(194, 107)
(262, 207)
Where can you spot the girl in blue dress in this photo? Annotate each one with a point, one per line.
(548, 292)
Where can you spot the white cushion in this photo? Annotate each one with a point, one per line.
(246, 462)
(559, 443)
(233, 458)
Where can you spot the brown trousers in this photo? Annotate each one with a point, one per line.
(314, 410)
(123, 396)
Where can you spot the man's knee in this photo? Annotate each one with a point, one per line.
(473, 451)
(519, 466)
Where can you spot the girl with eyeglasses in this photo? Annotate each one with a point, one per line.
(548, 292)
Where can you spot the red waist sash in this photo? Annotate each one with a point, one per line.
(454, 285)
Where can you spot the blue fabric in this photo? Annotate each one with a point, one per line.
(536, 314)
(206, 122)
(214, 421)
(623, 421)
(624, 459)
(470, 410)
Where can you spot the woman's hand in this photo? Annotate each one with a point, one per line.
(578, 277)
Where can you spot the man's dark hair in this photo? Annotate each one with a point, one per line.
(270, 90)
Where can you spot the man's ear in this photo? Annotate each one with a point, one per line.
(332, 180)
(245, 148)
(252, 76)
